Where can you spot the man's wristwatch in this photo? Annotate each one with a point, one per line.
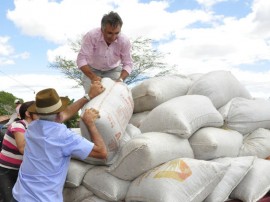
(87, 97)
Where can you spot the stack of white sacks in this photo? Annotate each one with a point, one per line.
(176, 139)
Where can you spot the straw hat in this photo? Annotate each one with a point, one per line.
(48, 102)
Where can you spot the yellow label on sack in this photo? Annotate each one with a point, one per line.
(176, 169)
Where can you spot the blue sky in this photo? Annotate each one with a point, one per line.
(200, 35)
(22, 43)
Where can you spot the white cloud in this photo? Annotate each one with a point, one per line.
(227, 44)
(5, 48)
(260, 17)
(24, 55)
(7, 52)
(64, 51)
(57, 22)
(5, 61)
(209, 3)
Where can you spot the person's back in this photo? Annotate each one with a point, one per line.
(49, 146)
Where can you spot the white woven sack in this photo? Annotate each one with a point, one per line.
(94, 199)
(195, 76)
(147, 151)
(154, 91)
(210, 143)
(131, 132)
(115, 106)
(181, 179)
(256, 144)
(236, 172)
(245, 115)
(76, 171)
(104, 185)
(255, 184)
(220, 86)
(137, 118)
(182, 116)
(76, 194)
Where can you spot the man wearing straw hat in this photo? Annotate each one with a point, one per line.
(50, 145)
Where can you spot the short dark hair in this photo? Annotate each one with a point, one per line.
(24, 107)
(111, 18)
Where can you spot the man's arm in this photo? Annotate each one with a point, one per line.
(87, 48)
(99, 150)
(20, 141)
(126, 60)
(87, 72)
(71, 110)
(123, 76)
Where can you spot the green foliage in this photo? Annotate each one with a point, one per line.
(7, 106)
(146, 61)
(73, 122)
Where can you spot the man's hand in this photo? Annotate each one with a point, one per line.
(90, 115)
(120, 80)
(96, 89)
(100, 149)
(95, 78)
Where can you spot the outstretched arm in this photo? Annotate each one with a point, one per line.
(71, 110)
(99, 150)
